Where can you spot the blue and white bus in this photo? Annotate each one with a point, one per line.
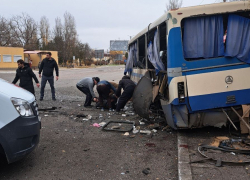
(193, 63)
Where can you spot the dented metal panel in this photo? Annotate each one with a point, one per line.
(143, 96)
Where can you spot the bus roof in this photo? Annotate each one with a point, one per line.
(181, 13)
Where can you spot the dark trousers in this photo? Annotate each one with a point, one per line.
(103, 91)
(125, 97)
(51, 83)
(89, 97)
(29, 88)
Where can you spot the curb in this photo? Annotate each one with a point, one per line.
(184, 168)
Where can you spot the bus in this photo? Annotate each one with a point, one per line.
(192, 65)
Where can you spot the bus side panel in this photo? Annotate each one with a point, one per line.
(210, 90)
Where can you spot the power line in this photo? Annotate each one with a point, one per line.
(201, 2)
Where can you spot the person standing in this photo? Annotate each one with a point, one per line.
(25, 75)
(47, 67)
(128, 87)
(86, 86)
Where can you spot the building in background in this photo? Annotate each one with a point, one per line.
(10, 55)
(99, 55)
(37, 56)
(118, 48)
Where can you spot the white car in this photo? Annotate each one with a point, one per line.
(19, 122)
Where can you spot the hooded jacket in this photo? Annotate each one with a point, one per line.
(25, 76)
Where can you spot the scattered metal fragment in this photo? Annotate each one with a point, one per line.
(127, 124)
(48, 109)
(135, 130)
(148, 132)
(154, 130)
(102, 124)
(146, 171)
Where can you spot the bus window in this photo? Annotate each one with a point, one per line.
(151, 39)
(163, 43)
(203, 37)
(142, 60)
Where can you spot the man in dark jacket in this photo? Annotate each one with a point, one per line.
(104, 88)
(128, 87)
(47, 67)
(25, 75)
(86, 85)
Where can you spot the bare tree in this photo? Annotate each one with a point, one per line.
(44, 30)
(25, 31)
(6, 38)
(173, 4)
(70, 36)
(57, 43)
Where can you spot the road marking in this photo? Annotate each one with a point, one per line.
(184, 168)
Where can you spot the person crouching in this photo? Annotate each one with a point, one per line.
(86, 86)
(104, 88)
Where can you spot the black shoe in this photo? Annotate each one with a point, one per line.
(54, 99)
(89, 106)
(41, 99)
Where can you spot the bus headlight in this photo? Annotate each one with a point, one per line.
(181, 92)
(22, 107)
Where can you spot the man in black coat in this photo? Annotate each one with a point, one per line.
(25, 74)
(47, 67)
(128, 87)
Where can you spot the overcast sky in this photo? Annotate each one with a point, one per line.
(97, 21)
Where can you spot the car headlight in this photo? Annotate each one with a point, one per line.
(22, 107)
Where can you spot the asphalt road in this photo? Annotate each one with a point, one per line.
(71, 148)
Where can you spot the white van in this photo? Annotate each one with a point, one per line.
(19, 121)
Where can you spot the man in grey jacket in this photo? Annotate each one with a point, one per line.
(86, 85)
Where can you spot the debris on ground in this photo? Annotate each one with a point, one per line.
(226, 145)
(80, 115)
(124, 126)
(126, 134)
(146, 171)
(135, 130)
(154, 130)
(148, 132)
(115, 127)
(47, 109)
(102, 124)
(150, 145)
(96, 125)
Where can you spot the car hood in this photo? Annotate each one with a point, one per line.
(15, 91)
